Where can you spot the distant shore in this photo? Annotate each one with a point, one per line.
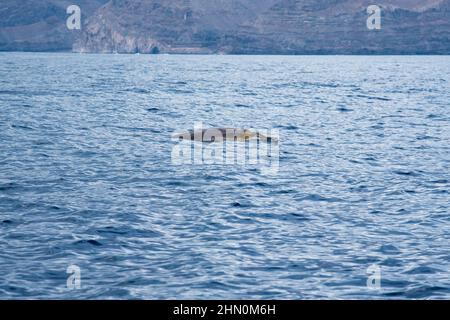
(234, 54)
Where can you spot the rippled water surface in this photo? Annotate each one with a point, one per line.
(86, 177)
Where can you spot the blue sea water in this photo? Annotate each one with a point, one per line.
(86, 177)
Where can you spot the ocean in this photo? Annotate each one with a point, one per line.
(93, 206)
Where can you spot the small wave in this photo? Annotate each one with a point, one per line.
(8, 186)
(440, 181)
(344, 109)
(422, 270)
(240, 105)
(372, 97)
(318, 198)
(406, 173)
(90, 242)
(389, 249)
(24, 127)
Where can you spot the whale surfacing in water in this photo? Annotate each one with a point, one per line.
(223, 134)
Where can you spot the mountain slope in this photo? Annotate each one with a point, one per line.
(228, 26)
(339, 27)
(39, 25)
(267, 27)
(170, 26)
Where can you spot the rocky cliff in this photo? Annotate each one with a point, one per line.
(177, 26)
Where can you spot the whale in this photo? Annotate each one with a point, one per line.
(211, 135)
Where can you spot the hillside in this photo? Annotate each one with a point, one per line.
(228, 26)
